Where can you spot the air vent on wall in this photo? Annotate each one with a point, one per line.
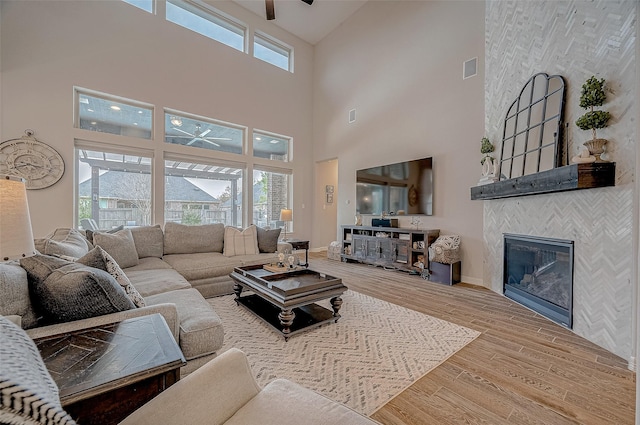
(470, 68)
(352, 116)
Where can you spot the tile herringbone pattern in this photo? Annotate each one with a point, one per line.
(575, 39)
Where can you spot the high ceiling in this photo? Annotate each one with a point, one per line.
(309, 22)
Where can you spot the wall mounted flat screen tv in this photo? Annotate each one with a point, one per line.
(404, 187)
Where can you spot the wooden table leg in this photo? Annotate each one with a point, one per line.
(336, 303)
(286, 317)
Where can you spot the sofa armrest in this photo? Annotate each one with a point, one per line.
(210, 395)
(168, 311)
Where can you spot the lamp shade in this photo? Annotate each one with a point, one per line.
(16, 236)
(286, 215)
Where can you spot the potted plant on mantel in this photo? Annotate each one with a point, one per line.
(593, 95)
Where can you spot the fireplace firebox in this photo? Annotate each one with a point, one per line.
(538, 273)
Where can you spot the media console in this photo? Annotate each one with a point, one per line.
(389, 247)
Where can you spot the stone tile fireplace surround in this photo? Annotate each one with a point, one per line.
(575, 40)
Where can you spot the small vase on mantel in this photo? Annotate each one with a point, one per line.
(596, 147)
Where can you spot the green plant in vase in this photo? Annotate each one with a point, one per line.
(487, 161)
(593, 95)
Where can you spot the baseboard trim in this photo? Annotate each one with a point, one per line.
(473, 280)
(320, 249)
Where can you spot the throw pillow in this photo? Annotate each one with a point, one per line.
(268, 239)
(238, 242)
(75, 292)
(64, 241)
(39, 267)
(90, 233)
(149, 241)
(100, 259)
(120, 246)
(183, 239)
(28, 393)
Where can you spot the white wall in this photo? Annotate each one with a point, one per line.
(399, 64)
(48, 47)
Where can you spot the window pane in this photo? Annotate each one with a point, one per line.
(114, 190)
(146, 5)
(205, 22)
(271, 52)
(271, 147)
(186, 131)
(202, 193)
(105, 115)
(270, 195)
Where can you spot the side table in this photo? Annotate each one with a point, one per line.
(300, 244)
(106, 372)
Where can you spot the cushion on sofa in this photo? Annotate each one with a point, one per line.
(183, 239)
(310, 407)
(202, 265)
(268, 239)
(28, 394)
(39, 266)
(75, 291)
(120, 246)
(148, 263)
(237, 242)
(151, 282)
(201, 330)
(15, 299)
(149, 241)
(64, 242)
(100, 259)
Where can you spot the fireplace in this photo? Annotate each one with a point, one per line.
(538, 273)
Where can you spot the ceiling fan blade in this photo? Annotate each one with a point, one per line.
(218, 138)
(191, 142)
(271, 12)
(210, 142)
(204, 133)
(182, 131)
(309, 2)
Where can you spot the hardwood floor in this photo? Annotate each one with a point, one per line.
(522, 369)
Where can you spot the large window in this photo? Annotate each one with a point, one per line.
(270, 195)
(270, 50)
(106, 114)
(203, 133)
(205, 21)
(197, 193)
(270, 146)
(114, 189)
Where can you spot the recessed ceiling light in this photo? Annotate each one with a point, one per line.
(94, 122)
(84, 100)
(140, 112)
(135, 123)
(115, 107)
(89, 110)
(258, 138)
(274, 141)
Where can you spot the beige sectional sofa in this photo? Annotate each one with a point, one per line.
(174, 270)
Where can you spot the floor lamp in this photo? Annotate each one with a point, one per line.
(16, 236)
(286, 216)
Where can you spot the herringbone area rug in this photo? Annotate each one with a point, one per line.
(374, 352)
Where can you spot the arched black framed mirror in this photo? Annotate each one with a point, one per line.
(531, 139)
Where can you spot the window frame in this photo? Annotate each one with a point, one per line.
(288, 172)
(214, 16)
(79, 91)
(277, 46)
(288, 139)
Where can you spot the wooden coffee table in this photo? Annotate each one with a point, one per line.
(106, 372)
(287, 300)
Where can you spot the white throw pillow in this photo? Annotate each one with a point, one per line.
(238, 242)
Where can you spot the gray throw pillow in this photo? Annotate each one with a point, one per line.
(28, 394)
(90, 233)
(64, 242)
(120, 246)
(149, 241)
(75, 292)
(39, 267)
(268, 239)
(183, 239)
(100, 259)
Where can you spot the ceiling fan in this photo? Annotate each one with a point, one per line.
(198, 135)
(271, 12)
